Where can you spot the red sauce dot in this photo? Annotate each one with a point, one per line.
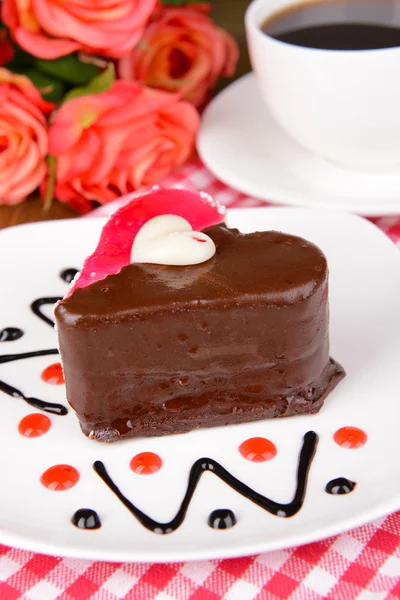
(34, 425)
(146, 463)
(53, 374)
(258, 449)
(350, 437)
(60, 478)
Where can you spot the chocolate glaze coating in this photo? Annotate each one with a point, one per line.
(154, 350)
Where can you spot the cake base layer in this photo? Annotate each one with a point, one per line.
(239, 402)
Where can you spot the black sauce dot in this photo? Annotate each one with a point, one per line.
(222, 518)
(86, 518)
(68, 275)
(10, 334)
(340, 486)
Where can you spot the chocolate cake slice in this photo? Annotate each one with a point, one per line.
(155, 349)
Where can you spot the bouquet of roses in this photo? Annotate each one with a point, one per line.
(100, 97)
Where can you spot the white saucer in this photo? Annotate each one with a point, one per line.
(243, 146)
(365, 338)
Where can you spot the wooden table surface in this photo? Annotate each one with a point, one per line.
(32, 210)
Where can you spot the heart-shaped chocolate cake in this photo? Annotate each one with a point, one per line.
(154, 349)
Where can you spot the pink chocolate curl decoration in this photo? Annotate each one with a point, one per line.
(114, 248)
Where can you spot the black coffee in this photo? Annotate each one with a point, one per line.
(338, 24)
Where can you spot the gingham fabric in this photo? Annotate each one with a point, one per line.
(363, 563)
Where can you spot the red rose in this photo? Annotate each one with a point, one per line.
(182, 50)
(114, 142)
(23, 137)
(52, 28)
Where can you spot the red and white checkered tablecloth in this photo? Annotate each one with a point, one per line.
(363, 563)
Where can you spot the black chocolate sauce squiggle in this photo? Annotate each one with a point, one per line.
(37, 305)
(12, 357)
(208, 464)
(12, 334)
(50, 407)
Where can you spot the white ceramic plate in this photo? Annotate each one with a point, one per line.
(365, 334)
(243, 146)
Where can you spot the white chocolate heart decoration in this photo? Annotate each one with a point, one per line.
(170, 240)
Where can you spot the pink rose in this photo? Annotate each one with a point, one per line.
(23, 137)
(52, 28)
(115, 142)
(182, 50)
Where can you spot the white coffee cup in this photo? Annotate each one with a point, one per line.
(341, 105)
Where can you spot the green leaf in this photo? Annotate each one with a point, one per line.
(21, 61)
(68, 69)
(50, 89)
(51, 182)
(100, 83)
